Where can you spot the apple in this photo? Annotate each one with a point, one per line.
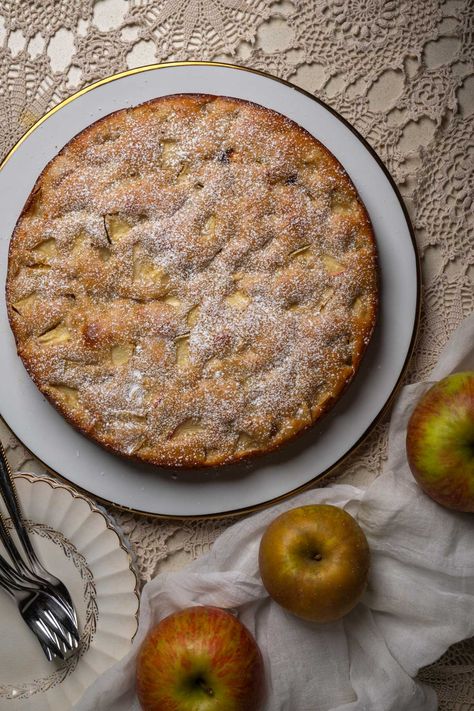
(440, 442)
(314, 562)
(200, 659)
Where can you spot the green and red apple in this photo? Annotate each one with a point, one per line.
(440, 442)
(314, 562)
(200, 659)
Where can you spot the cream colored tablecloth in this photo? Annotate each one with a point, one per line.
(400, 70)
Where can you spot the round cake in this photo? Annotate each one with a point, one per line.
(192, 281)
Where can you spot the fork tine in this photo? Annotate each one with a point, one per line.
(48, 653)
(73, 641)
(52, 629)
(56, 627)
(64, 593)
(66, 642)
(49, 636)
(58, 606)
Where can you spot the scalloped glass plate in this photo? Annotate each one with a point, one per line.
(79, 544)
(222, 490)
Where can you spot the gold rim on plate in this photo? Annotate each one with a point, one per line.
(378, 417)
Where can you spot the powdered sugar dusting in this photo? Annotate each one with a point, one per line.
(212, 273)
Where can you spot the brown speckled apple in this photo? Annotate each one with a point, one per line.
(440, 442)
(314, 562)
(200, 659)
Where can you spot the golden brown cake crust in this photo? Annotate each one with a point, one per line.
(192, 281)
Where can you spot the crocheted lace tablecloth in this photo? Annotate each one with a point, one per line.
(401, 71)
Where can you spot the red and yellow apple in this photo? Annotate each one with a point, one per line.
(200, 659)
(314, 562)
(440, 442)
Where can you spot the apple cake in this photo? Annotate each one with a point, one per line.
(192, 281)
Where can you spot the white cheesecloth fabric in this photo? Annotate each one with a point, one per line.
(419, 600)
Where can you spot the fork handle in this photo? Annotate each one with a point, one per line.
(12, 550)
(10, 497)
(7, 540)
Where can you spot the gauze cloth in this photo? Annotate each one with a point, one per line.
(419, 599)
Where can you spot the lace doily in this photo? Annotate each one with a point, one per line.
(402, 72)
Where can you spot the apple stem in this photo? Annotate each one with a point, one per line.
(205, 687)
(318, 556)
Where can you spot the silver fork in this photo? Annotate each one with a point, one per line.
(35, 570)
(62, 631)
(60, 624)
(49, 610)
(34, 607)
(60, 610)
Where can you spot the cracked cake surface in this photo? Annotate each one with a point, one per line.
(192, 281)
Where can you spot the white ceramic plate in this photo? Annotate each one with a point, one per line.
(77, 542)
(142, 488)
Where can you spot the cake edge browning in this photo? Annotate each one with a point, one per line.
(290, 435)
